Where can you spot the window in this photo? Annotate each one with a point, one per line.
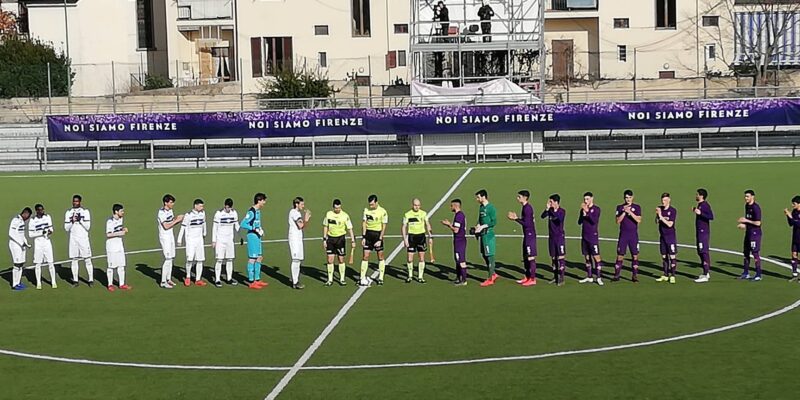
(666, 14)
(361, 19)
(666, 74)
(711, 52)
(391, 60)
(270, 54)
(622, 53)
(401, 58)
(622, 23)
(710, 20)
(321, 30)
(400, 28)
(323, 59)
(144, 24)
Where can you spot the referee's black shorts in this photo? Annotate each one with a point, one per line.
(335, 246)
(417, 243)
(372, 241)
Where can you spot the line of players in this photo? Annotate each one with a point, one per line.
(416, 232)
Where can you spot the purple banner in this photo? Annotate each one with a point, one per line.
(426, 120)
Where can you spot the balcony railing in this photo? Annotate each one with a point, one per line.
(205, 9)
(573, 5)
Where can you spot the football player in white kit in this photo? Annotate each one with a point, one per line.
(115, 251)
(18, 245)
(194, 228)
(40, 228)
(77, 222)
(166, 220)
(298, 219)
(226, 224)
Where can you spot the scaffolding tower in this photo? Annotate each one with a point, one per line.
(465, 47)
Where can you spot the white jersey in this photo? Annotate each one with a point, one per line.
(294, 231)
(193, 226)
(78, 230)
(164, 216)
(114, 225)
(40, 228)
(16, 231)
(226, 224)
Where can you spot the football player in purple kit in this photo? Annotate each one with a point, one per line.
(666, 215)
(526, 219)
(702, 230)
(751, 223)
(793, 218)
(589, 220)
(556, 239)
(628, 216)
(458, 227)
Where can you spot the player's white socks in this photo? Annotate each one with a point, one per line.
(217, 270)
(89, 269)
(189, 270)
(110, 276)
(229, 269)
(121, 273)
(16, 276)
(38, 271)
(52, 270)
(166, 271)
(74, 267)
(295, 271)
(198, 271)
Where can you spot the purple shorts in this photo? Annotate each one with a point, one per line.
(556, 247)
(460, 251)
(628, 243)
(528, 248)
(667, 247)
(702, 244)
(795, 247)
(590, 248)
(751, 245)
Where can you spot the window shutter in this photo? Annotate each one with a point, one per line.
(255, 57)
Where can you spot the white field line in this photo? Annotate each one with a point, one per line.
(301, 362)
(424, 168)
(434, 363)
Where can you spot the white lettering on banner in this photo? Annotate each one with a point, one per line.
(689, 114)
(153, 126)
(291, 124)
(541, 117)
(325, 122)
(480, 119)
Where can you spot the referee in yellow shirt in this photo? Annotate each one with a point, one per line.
(373, 228)
(334, 227)
(416, 235)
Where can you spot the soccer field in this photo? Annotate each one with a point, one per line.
(723, 339)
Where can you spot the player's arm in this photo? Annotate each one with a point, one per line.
(68, 222)
(428, 227)
(303, 220)
(592, 218)
(663, 219)
(33, 232)
(12, 233)
(215, 229)
(248, 222)
(404, 231)
(324, 233)
(86, 221)
(791, 219)
(636, 217)
(491, 214)
(706, 213)
(620, 215)
(205, 229)
(384, 223)
(182, 231)
(349, 225)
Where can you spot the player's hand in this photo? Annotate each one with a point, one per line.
(478, 229)
(741, 226)
(696, 210)
(446, 222)
(742, 220)
(125, 230)
(405, 243)
(363, 242)
(379, 243)
(658, 211)
(787, 212)
(179, 218)
(179, 243)
(512, 215)
(353, 244)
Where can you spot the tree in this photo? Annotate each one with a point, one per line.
(23, 69)
(296, 84)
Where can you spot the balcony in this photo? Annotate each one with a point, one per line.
(201, 10)
(571, 8)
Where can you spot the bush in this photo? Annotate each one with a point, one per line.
(23, 69)
(296, 84)
(156, 82)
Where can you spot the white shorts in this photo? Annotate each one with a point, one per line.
(225, 250)
(296, 248)
(167, 247)
(195, 251)
(79, 249)
(116, 259)
(43, 252)
(18, 254)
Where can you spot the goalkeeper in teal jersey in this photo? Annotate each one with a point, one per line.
(484, 231)
(251, 225)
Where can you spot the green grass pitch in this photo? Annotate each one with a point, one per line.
(411, 323)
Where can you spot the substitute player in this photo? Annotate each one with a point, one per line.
(115, 250)
(252, 224)
(526, 219)
(487, 219)
(589, 220)
(373, 229)
(666, 215)
(751, 223)
(556, 238)
(226, 224)
(194, 227)
(334, 227)
(166, 221)
(459, 229)
(628, 217)
(298, 220)
(416, 233)
(40, 228)
(702, 231)
(793, 218)
(18, 245)
(77, 222)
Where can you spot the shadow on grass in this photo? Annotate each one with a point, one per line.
(273, 272)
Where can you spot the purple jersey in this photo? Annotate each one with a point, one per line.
(555, 222)
(794, 222)
(527, 222)
(590, 223)
(753, 213)
(460, 222)
(702, 221)
(629, 227)
(667, 233)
